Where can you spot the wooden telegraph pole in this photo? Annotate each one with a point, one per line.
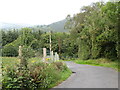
(50, 42)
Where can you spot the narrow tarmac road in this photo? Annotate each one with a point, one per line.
(87, 76)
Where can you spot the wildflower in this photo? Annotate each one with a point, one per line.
(33, 61)
(47, 58)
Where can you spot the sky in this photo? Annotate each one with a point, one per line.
(39, 12)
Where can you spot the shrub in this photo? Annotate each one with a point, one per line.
(60, 66)
(27, 52)
(10, 51)
(15, 78)
(35, 76)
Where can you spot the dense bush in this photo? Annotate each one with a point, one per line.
(27, 52)
(10, 51)
(36, 76)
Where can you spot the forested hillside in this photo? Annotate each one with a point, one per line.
(36, 39)
(59, 26)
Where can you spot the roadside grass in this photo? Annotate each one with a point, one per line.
(100, 62)
(64, 76)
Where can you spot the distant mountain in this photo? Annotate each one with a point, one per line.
(55, 27)
(12, 26)
(58, 26)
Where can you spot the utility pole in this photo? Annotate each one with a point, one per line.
(50, 42)
(59, 45)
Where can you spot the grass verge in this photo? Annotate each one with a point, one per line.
(100, 62)
(64, 76)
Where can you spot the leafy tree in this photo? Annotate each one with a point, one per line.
(94, 30)
(9, 36)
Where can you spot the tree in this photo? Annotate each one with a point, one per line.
(94, 30)
(9, 36)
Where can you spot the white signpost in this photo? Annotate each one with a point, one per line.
(52, 56)
(44, 54)
(56, 57)
(20, 55)
(20, 51)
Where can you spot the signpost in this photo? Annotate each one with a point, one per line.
(44, 54)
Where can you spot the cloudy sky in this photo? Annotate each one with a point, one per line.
(39, 11)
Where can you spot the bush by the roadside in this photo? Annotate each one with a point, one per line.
(60, 66)
(36, 76)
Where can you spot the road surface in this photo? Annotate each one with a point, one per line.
(87, 76)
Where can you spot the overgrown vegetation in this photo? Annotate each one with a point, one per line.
(37, 75)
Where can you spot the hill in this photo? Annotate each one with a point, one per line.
(59, 26)
(55, 27)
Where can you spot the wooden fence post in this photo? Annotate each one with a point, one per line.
(23, 61)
